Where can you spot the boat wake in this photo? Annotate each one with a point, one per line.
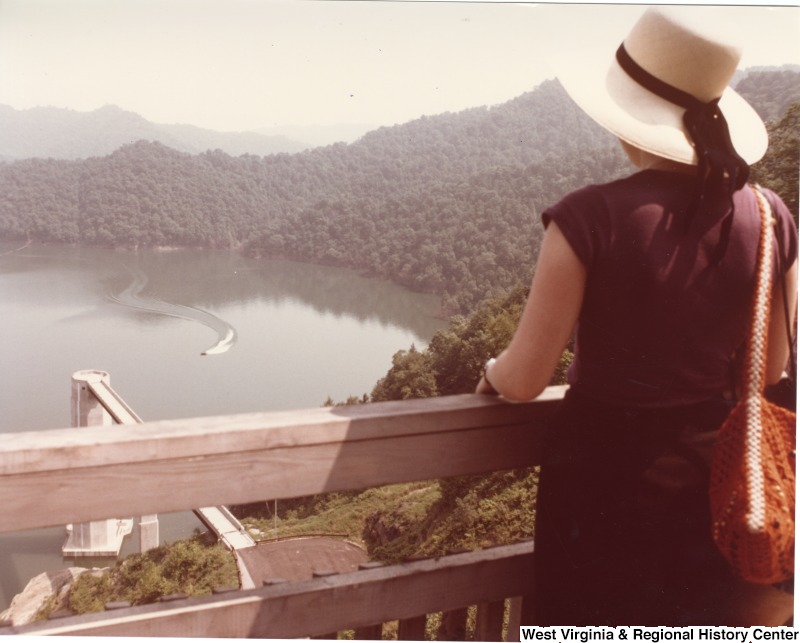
(131, 297)
(13, 250)
(223, 344)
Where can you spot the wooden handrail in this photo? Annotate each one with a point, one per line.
(323, 605)
(47, 477)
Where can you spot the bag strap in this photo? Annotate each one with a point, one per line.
(755, 370)
(787, 317)
(756, 360)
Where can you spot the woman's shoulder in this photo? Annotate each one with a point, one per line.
(585, 195)
(598, 197)
(786, 228)
(636, 184)
(775, 201)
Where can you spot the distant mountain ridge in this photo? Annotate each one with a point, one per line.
(50, 132)
(64, 134)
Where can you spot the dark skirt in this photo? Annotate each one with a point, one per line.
(623, 533)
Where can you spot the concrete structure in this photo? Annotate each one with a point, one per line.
(101, 538)
(225, 526)
(94, 403)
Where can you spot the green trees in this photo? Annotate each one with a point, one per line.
(770, 91)
(454, 359)
(778, 170)
(190, 567)
(411, 376)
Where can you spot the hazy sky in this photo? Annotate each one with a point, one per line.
(247, 64)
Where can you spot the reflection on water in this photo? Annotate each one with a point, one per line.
(210, 279)
(303, 333)
(206, 279)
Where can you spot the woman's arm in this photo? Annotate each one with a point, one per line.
(778, 342)
(524, 369)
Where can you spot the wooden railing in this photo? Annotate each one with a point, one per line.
(77, 475)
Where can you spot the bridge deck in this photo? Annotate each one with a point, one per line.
(226, 527)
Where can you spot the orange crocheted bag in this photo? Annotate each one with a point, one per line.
(753, 465)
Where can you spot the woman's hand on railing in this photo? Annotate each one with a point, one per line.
(484, 388)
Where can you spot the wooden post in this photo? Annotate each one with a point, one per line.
(489, 621)
(514, 618)
(412, 629)
(369, 633)
(453, 626)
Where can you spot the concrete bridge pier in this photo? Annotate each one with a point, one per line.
(89, 407)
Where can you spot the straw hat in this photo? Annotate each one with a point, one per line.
(681, 47)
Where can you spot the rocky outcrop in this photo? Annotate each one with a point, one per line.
(27, 604)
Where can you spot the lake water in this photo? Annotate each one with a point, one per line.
(277, 335)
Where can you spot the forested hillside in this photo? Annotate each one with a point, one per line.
(779, 168)
(446, 204)
(771, 92)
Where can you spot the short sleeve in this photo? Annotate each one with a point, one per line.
(579, 219)
(785, 231)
